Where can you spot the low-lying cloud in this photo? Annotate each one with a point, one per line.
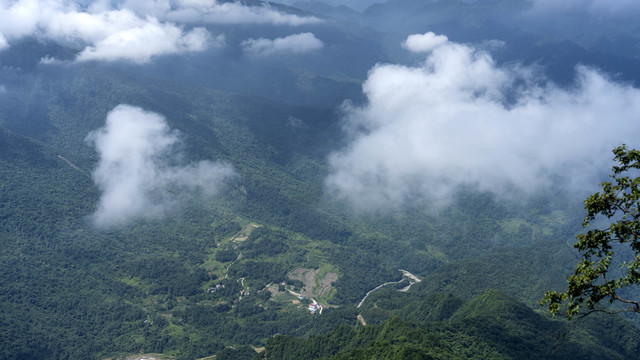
(424, 42)
(130, 30)
(139, 171)
(460, 119)
(213, 12)
(151, 39)
(294, 44)
(103, 34)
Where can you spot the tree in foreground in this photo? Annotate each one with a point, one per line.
(592, 281)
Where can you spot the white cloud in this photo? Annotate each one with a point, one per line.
(213, 12)
(133, 29)
(424, 42)
(296, 44)
(459, 119)
(142, 43)
(48, 60)
(137, 173)
(19, 18)
(103, 32)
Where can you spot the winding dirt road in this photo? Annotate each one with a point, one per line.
(405, 275)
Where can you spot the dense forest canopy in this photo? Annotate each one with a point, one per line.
(339, 179)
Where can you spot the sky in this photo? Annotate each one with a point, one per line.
(134, 31)
(459, 119)
(140, 173)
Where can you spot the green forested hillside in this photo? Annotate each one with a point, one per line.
(269, 265)
(491, 326)
(147, 286)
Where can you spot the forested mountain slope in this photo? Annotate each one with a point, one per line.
(229, 234)
(146, 285)
(444, 327)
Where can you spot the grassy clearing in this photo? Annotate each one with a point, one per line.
(323, 288)
(243, 234)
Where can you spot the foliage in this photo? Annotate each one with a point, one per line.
(226, 255)
(239, 353)
(593, 281)
(69, 290)
(489, 326)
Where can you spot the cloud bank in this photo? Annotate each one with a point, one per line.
(139, 172)
(139, 44)
(212, 12)
(131, 30)
(295, 44)
(104, 34)
(460, 119)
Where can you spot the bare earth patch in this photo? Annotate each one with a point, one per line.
(313, 287)
(326, 283)
(245, 232)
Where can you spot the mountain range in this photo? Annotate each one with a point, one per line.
(416, 169)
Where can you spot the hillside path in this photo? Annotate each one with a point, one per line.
(405, 274)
